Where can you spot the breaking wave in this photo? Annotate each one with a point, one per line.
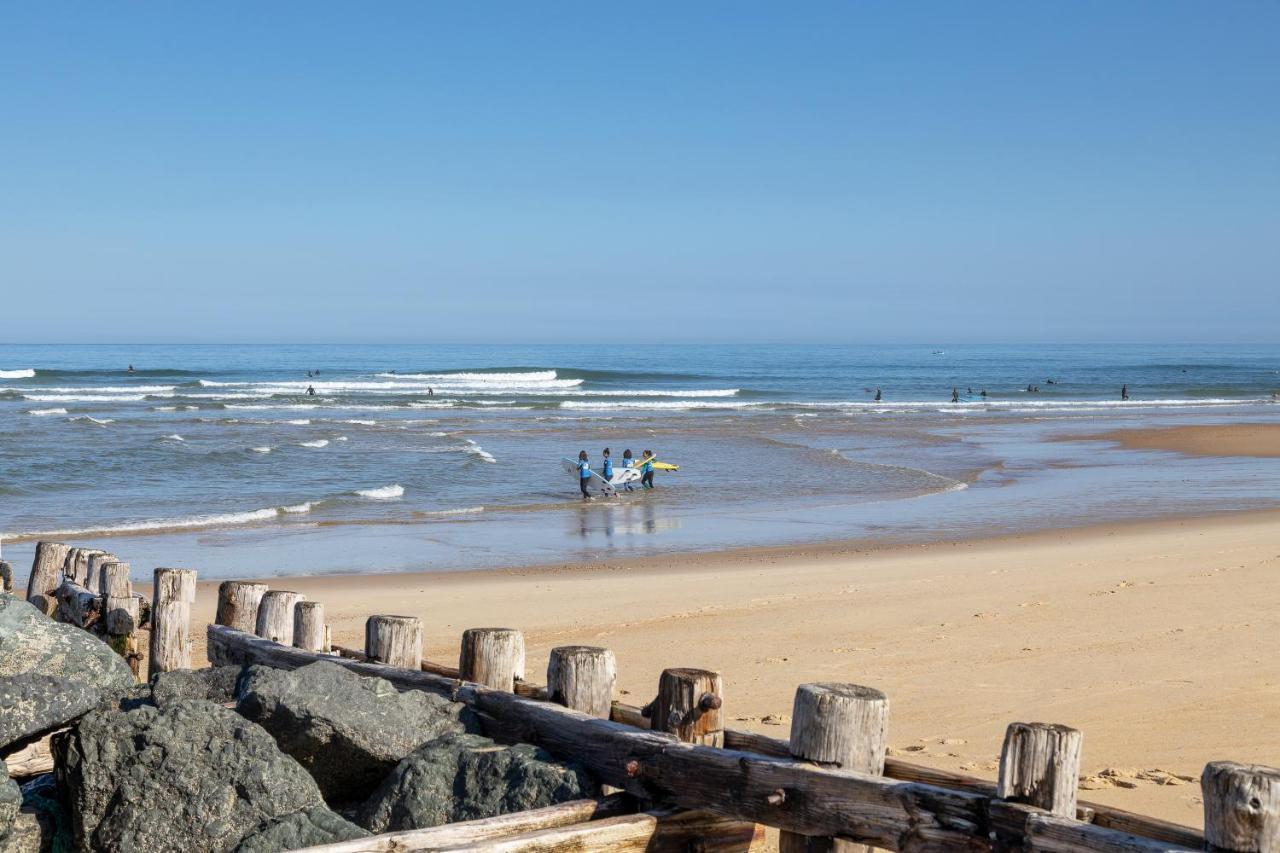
(383, 493)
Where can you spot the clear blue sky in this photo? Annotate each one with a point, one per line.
(846, 171)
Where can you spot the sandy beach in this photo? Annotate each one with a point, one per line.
(1260, 440)
(1152, 638)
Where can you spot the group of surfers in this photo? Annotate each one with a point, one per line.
(645, 462)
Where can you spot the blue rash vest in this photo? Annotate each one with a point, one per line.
(584, 469)
(608, 467)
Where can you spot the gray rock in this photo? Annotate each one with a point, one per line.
(465, 777)
(34, 704)
(10, 801)
(27, 835)
(190, 776)
(301, 829)
(215, 684)
(348, 730)
(31, 642)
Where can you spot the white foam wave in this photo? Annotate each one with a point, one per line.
(477, 450)
(86, 398)
(655, 404)
(24, 373)
(164, 408)
(341, 438)
(319, 442)
(432, 404)
(360, 422)
(521, 376)
(174, 437)
(466, 510)
(89, 419)
(260, 449)
(219, 520)
(300, 422)
(41, 412)
(296, 509)
(382, 493)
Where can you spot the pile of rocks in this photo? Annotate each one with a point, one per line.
(239, 759)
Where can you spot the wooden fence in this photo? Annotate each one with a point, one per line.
(701, 785)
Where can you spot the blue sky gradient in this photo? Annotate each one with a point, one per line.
(518, 172)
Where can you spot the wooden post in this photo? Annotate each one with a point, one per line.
(46, 575)
(1040, 766)
(394, 640)
(77, 606)
(493, 657)
(6, 577)
(76, 567)
(238, 604)
(308, 626)
(121, 612)
(93, 573)
(275, 615)
(1241, 807)
(837, 725)
(582, 678)
(688, 706)
(173, 593)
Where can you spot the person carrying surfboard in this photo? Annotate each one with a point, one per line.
(627, 462)
(584, 474)
(606, 467)
(646, 469)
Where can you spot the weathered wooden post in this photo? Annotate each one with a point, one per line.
(308, 626)
(93, 572)
(46, 575)
(493, 657)
(76, 567)
(1040, 766)
(275, 615)
(6, 577)
(837, 725)
(173, 593)
(78, 606)
(582, 678)
(394, 640)
(121, 612)
(1241, 807)
(238, 604)
(688, 706)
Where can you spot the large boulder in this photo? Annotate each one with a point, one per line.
(301, 829)
(10, 802)
(214, 684)
(465, 777)
(32, 642)
(34, 704)
(189, 776)
(348, 730)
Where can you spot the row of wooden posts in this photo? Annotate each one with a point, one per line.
(831, 778)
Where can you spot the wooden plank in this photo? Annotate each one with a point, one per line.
(475, 831)
(33, 759)
(649, 832)
(1050, 834)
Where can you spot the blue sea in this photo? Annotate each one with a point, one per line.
(449, 457)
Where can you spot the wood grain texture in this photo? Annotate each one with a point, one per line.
(582, 678)
(1241, 807)
(493, 657)
(238, 604)
(394, 640)
(173, 591)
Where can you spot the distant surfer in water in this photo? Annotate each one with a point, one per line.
(584, 474)
(1124, 392)
(955, 395)
(646, 469)
(311, 391)
(131, 370)
(877, 395)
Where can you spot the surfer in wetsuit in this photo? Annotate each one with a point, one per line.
(646, 469)
(1124, 392)
(877, 395)
(311, 391)
(955, 395)
(584, 474)
(131, 370)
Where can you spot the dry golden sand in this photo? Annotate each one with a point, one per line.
(1215, 440)
(1157, 639)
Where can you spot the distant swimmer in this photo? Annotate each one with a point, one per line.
(646, 469)
(131, 370)
(955, 395)
(308, 374)
(431, 392)
(1124, 392)
(311, 391)
(877, 395)
(1029, 388)
(983, 394)
(584, 474)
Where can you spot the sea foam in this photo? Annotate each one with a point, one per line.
(25, 373)
(383, 493)
(319, 442)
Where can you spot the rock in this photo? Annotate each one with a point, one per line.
(215, 684)
(348, 730)
(35, 704)
(32, 642)
(464, 777)
(305, 828)
(27, 835)
(189, 776)
(10, 801)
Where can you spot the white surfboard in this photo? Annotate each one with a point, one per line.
(598, 483)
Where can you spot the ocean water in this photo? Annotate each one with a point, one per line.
(448, 457)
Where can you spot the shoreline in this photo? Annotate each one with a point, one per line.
(1129, 631)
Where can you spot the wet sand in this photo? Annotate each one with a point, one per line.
(1154, 638)
(1261, 440)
